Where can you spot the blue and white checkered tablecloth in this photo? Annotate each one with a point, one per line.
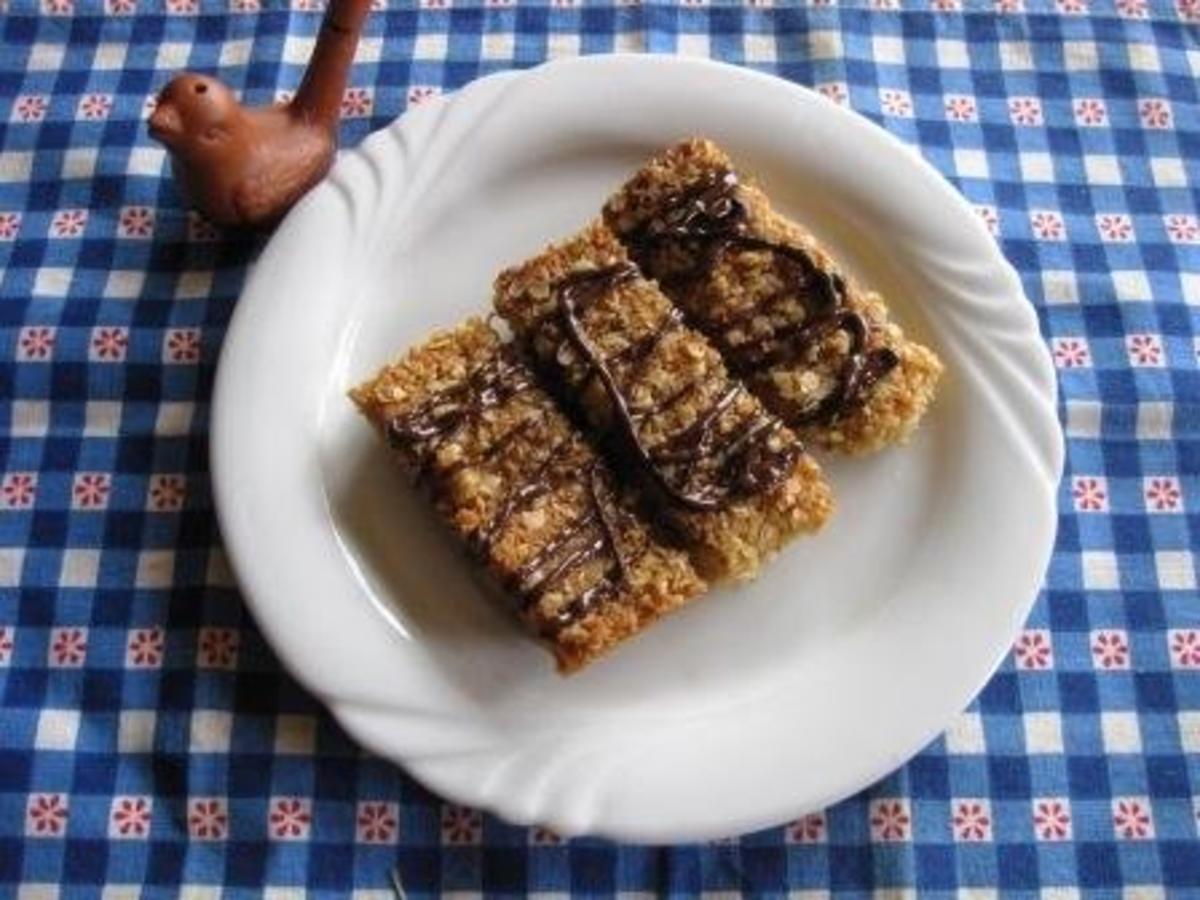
(149, 741)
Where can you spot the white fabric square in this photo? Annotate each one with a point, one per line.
(824, 45)
(172, 56)
(30, 418)
(1155, 420)
(1131, 284)
(887, 49)
(1060, 286)
(971, 163)
(79, 568)
(1043, 732)
(1176, 570)
(952, 54)
(110, 56)
(1015, 56)
(559, 45)
(102, 418)
(965, 734)
(1100, 570)
(174, 418)
(155, 568)
(57, 729)
(693, 45)
(498, 46)
(1079, 56)
(1037, 167)
(124, 284)
(79, 162)
(1102, 169)
(1121, 731)
(236, 52)
(11, 561)
(295, 734)
(1168, 171)
(52, 282)
(211, 731)
(430, 45)
(146, 161)
(759, 48)
(1144, 58)
(135, 731)
(16, 166)
(45, 57)
(1189, 730)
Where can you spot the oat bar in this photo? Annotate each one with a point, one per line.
(516, 482)
(818, 349)
(725, 474)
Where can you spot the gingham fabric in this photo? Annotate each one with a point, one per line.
(149, 741)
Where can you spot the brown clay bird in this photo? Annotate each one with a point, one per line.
(246, 167)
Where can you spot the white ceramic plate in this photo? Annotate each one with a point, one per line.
(753, 706)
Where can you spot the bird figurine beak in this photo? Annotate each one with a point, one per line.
(165, 124)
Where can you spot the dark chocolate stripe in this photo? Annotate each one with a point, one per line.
(423, 430)
(674, 464)
(709, 216)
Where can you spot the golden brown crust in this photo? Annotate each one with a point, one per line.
(470, 474)
(731, 542)
(737, 282)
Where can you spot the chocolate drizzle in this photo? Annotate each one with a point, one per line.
(699, 467)
(593, 534)
(708, 221)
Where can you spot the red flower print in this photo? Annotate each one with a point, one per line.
(30, 108)
(120, 7)
(420, 93)
(1033, 650)
(182, 345)
(1047, 225)
(1090, 111)
(6, 645)
(208, 819)
(183, 7)
(1133, 9)
(972, 820)
(1110, 649)
(1155, 113)
(947, 5)
(885, 4)
(1009, 6)
(1185, 648)
(136, 222)
(218, 648)
(167, 492)
(1071, 353)
(960, 108)
(35, 342)
(129, 817)
(1115, 227)
(1145, 350)
(1182, 229)
(290, 818)
(500, 3)
(68, 223)
(435, 4)
(1025, 111)
(1189, 10)
(991, 218)
(890, 820)
(58, 7)
(837, 91)
(461, 825)
(357, 103)
(200, 229)
(18, 490)
(1163, 494)
(46, 815)
(810, 829)
(542, 836)
(91, 490)
(10, 226)
(109, 344)
(896, 103)
(1090, 493)
(1052, 819)
(145, 648)
(68, 647)
(1072, 7)
(1131, 818)
(95, 106)
(308, 5)
(245, 5)
(377, 822)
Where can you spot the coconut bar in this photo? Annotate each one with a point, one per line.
(818, 349)
(730, 479)
(516, 482)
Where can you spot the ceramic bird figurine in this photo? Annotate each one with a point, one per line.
(246, 167)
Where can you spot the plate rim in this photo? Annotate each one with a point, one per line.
(351, 716)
